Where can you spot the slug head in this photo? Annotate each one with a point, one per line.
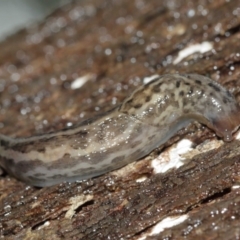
(226, 125)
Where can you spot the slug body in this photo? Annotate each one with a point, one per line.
(145, 120)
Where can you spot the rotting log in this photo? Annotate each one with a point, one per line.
(113, 45)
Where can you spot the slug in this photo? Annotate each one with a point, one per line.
(148, 118)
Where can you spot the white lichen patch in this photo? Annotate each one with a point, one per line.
(141, 179)
(175, 156)
(79, 82)
(45, 224)
(172, 157)
(189, 50)
(167, 222)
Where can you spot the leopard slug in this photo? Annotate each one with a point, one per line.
(148, 118)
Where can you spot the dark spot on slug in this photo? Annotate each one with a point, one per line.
(178, 84)
(4, 143)
(185, 102)
(211, 94)
(81, 170)
(138, 105)
(24, 166)
(225, 100)
(198, 82)
(215, 87)
(157, 88)
(187, 83)
(41, 150)
(163, 119)
(135, 144)
(186, 76)
(229, 94)
(190, 90)
(129, 101)
(148, 98)
(118, 159)
(181, 93)
(39, 175)
(139, 152)
(58, 176)
(82, 133)
(153, 136)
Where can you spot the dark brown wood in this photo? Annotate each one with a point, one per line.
(114, 44)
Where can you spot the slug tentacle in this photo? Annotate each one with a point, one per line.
(148, 118)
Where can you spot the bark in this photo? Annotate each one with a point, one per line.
(114, 45)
